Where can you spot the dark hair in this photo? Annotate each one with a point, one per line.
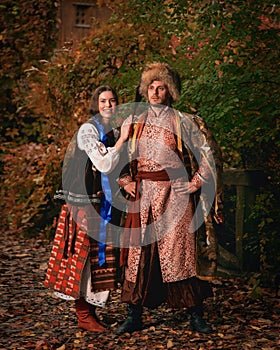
(138, 96)
(93, 107)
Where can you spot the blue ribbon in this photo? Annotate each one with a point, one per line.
(106, 200)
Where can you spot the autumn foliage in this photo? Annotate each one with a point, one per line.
(225, 52)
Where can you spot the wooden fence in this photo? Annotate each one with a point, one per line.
(247, 184)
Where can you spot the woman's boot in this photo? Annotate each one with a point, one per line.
(197, 323)
(86, 318)
(133, 321)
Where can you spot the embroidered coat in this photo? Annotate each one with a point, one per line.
(181, 223)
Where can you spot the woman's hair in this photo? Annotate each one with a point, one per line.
(93, 107)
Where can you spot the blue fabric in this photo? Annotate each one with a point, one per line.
(106, 201)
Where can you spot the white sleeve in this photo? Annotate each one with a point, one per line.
(103, 159)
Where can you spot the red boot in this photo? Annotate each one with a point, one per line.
(86, 320)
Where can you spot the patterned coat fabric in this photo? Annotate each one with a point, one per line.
(168, 213)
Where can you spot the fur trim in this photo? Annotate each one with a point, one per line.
(161, 72)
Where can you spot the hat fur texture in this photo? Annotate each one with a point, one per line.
(160, 72)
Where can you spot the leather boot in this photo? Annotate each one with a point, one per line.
(198, 324)
(86, 319)
(133, 321)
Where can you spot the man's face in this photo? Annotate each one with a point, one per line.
(158, 93)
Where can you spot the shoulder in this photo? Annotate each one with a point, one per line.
(87, 128)
(188, 120)
(184, 116)
(87, 133)
(196, 120)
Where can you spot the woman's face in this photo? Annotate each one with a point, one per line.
(158, 93)
(106, 104)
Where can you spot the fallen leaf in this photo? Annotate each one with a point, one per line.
(62, 347)
(169, 344)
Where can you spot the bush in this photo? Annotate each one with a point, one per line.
(229, 78)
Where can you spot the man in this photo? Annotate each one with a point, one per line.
(173, 165)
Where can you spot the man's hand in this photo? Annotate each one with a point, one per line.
(187, 187)
(130, 188)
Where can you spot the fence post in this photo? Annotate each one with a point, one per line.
(247, 183)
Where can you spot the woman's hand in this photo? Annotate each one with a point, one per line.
(125, 131)
(130, 188)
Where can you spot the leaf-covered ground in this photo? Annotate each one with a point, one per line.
(244, 317)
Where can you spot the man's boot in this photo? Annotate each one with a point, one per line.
(197, 323)
(133, 321)
(86, 317)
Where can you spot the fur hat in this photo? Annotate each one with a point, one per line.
(161, 72)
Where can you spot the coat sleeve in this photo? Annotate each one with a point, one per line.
(103, 159)
(209, 166)
(217, 162)
(205, 156)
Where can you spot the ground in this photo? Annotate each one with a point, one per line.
(243, 315)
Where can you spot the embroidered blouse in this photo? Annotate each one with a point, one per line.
(103, 159)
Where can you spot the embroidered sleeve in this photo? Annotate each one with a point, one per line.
(103, 159)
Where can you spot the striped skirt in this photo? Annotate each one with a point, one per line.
(73, 244)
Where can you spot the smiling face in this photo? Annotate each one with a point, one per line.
(158, 93)
(106, 104)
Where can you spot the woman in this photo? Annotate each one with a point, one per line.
(82, 266)
(172, 160)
